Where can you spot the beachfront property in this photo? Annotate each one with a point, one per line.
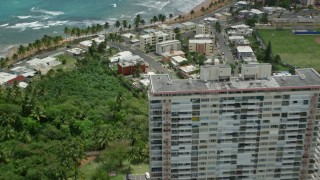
(201, 46)
(148, 41)
(23, 71)
(204, 29)
(167, 46)
(220, 127)
(240, 30)
(129, 37)
(305, 23)
(220, 16)
(43, 65)
(5, 77)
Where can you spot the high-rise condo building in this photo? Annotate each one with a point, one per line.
(255, 126)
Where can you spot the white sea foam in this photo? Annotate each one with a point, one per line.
(24, 17)
(52, 13)
(154, 4)
(23, 26)
(56, 23)
(183, 6)
(4, 25)
(141, 12)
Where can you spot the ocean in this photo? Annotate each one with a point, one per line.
(23, 21)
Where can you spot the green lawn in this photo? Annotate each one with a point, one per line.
(300, 50)
(69, 62)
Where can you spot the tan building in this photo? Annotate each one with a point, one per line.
(201, 46)
(204, 29)
(148, 41)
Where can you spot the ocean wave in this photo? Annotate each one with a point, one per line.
(23, 26)
(53, 13)
(182, 6)
(154, 4)
(4, 25)
(141, 12)
(24, 17)
(56, 23)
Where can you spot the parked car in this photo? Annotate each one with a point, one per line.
(128, 176)
(147, 175)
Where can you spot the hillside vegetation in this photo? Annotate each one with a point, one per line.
(46, 130)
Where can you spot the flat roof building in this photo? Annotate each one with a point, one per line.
(235, 129)
(201, 46)
(167, 46)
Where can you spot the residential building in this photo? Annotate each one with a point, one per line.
(201, 46)
(186, 71)
(263, 128)
(166, 46)
(177, 60)
(210, 20)
(204, 29)
(240, 30)
(244, 51)
(235, 39)
(120, 56)
(188, 26)
(5, 77)
(168, 55)
(43, 65)
(128, 68)
(148, 41)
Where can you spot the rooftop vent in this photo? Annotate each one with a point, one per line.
(302, 76)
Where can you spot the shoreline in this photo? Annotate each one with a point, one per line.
(10, 50)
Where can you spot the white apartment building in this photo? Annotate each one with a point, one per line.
(265, 128)
(204, 29)
(240, 30)
(201, 46)
(167, 46)
(149, 41)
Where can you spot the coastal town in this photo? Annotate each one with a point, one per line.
(223, 37)
(249, 66)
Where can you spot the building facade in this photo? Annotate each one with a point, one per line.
(204, 29)
(148, 41)
(201, 46)
(265, 128)
(168, 46)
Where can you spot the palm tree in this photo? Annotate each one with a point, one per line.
(106, 27)
(163, 18)
(170, 16)
(192, 12)
(137, 21)
(124, 24)
(37, 112)
(67, 31)
(203, 9)
(129, 26)
(117, 24)
(155, 19)
(142, 22)
(21, 51)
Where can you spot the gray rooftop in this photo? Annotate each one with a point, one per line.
(162, 83)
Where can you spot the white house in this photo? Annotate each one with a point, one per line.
(244, 51)
(176, 60)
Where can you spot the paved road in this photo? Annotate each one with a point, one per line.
(157, 66)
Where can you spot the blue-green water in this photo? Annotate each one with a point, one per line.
(23, 21)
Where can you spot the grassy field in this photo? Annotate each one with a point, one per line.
(299, 50)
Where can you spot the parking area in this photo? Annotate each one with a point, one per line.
(137, 177)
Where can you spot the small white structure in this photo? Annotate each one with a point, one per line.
(244, 51)
(86, 43)
(120, 56)
(210, 20)
(22, 85)
(187, 70)
(75, 51)
(176, 60)
(203, 36)
(256, 12)
(240, 30)
(23, 71)
(235, 39)
(99, 39)
(5, 77)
